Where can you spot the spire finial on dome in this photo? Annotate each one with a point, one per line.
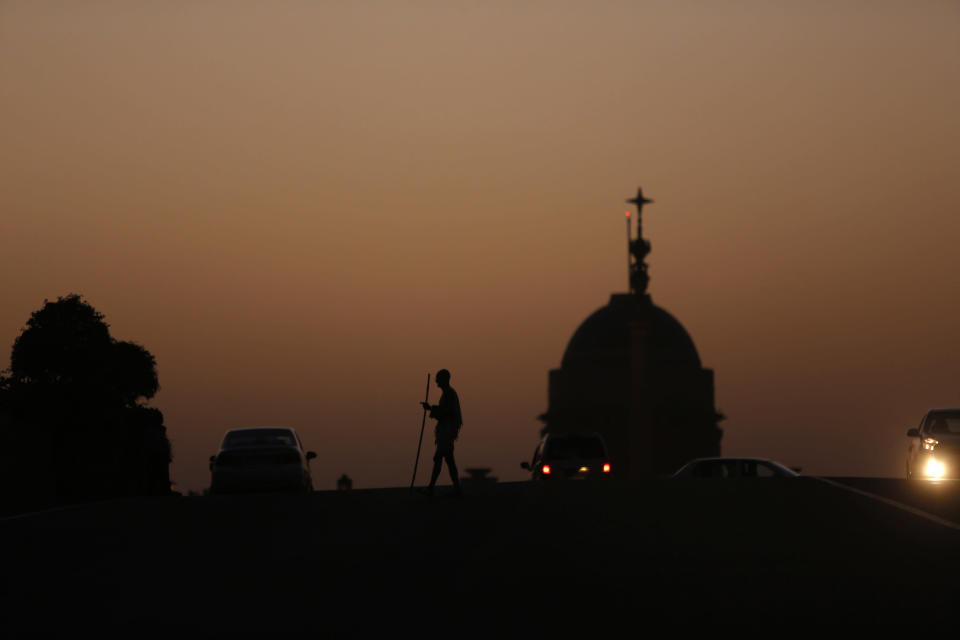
(639, 248)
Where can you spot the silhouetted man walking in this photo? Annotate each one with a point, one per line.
(449, 419)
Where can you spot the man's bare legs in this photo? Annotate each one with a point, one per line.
(438, 459)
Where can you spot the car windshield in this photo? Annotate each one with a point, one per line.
(259, 438)
(574, 446)
(715, 469)
(943, 422)
(755, 469)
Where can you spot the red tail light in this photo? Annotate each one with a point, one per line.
(606, 467)
(545, 469)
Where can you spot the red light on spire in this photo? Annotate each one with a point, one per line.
(628, 213)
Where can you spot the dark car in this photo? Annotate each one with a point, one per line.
(934, 450)
(734, 468)
(261, 459)
(569, 456)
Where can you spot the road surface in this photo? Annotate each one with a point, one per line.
(510, 559)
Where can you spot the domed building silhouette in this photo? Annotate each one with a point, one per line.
(632, 374)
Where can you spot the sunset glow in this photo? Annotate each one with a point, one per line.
(261, 194)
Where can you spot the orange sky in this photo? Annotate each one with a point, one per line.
(301, 208)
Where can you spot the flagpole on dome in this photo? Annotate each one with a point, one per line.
(639, 248)
(629, 267)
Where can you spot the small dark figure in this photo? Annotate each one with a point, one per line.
(344, 483)
(449, 420)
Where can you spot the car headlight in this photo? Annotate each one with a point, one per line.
(929, 444)
(934, 469)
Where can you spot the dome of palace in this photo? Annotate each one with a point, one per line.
(604, 337)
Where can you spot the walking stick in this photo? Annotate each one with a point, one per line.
(423, 423)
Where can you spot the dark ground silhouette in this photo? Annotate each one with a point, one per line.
(509, 560)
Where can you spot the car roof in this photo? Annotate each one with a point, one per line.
(739, 458)
(734, 458)
(232, 435)
(242, 429)
(579, 434)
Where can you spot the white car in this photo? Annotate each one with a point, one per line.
(261, 459)
(934, 451)
(734, 468)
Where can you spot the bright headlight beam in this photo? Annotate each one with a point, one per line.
(934, 469)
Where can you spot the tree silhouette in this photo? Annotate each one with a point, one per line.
(66, 350)
(74, 389)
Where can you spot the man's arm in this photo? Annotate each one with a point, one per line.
(447, 410)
